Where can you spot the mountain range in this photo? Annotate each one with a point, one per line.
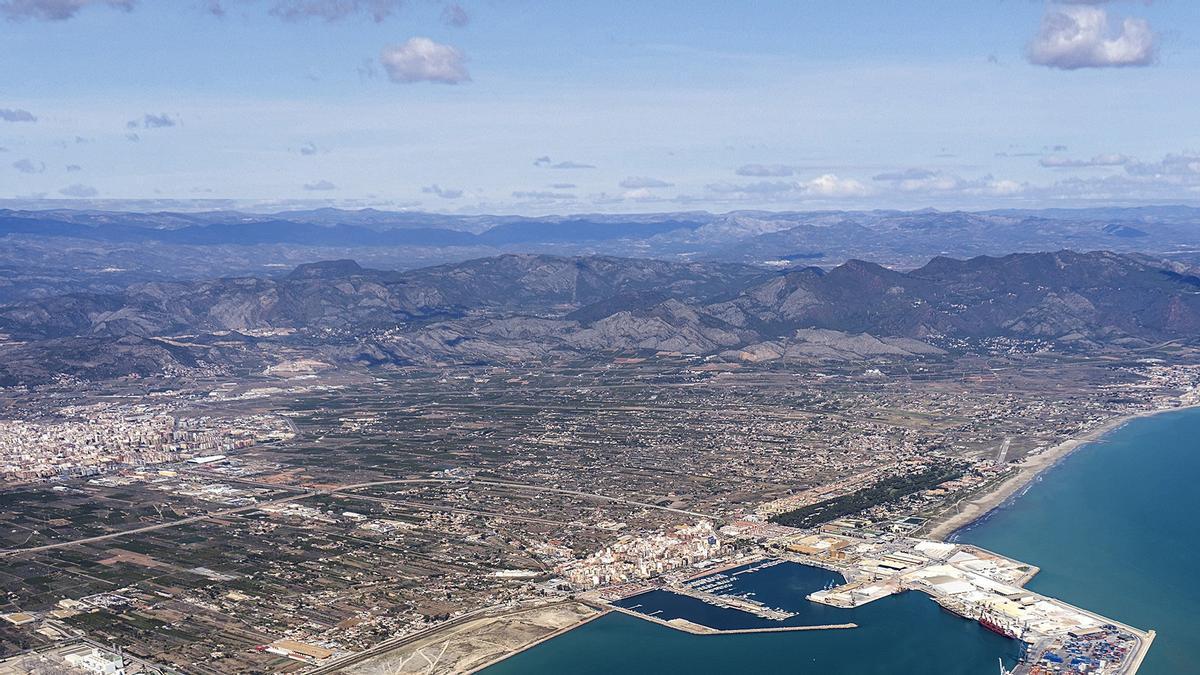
(45, 253)
(522, 308)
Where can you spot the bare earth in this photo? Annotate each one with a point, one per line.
(476, 644)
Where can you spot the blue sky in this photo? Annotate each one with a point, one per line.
(507, 106)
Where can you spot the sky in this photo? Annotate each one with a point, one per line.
(529, 107)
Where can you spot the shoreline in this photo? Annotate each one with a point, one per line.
(979, 507)
(545, 638)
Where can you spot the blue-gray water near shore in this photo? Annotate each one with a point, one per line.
(1114, 528)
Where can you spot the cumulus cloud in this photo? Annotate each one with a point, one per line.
(333, 10)
(454, 15)
(29, 166)
(71, 168)
(825, 185)
(423, 60)
(1185, 164)
(905, 174)
(643, 182)
(928, 181)
(16, 115)
(444, 193)
(54, 10)
(308, 149)
(1173, 177)
(757, 188)
(542, 196)
(563, 186)
(545, 161)
(152, 121)
(764, 170)
(829, 185)
(319, 186)
(78, 191)
(644, 195)
(1062, 162)
(1081, 36)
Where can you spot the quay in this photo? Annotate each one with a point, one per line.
(977, 585)
(731, 602)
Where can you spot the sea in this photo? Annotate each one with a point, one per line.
(1114, 527)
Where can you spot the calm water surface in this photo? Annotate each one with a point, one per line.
(1114, 528)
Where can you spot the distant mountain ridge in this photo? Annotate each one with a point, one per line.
(515, 308)
(44, 252)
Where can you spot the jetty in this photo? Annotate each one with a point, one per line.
(694, 628)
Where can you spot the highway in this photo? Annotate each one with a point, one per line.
(150, 528)
(348, 491)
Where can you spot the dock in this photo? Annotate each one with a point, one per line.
(694, 628)
(983, 586)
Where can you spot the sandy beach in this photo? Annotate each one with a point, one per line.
(1029, 469)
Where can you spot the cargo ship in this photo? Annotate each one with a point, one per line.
(998, 628)
(986, 618)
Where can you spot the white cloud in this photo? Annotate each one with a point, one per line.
(764, 170)
(309, 149)
(643, 182)
(829, 185)
(1060, 162)
(79, 191)
(332, 10)
(928, 181)
(454, 15)
(911, 174)
(1079, 36)
(319, 186)
(54, 10)
(29, 166)
(542, 196)
(444, 193)
(16, 115)
(825, 185)
(423, 60)
(1186, 164)
(762, 187)
(640, 195)
(545, 161)
(152, 121)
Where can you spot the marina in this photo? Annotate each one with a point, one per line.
(1045, 534)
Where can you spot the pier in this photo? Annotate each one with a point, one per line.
(983, 586)
(731, 602)
(700, 629)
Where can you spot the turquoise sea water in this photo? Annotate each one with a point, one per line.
(1114, 528)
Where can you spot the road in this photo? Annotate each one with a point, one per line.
(150, 528)
(347, 490)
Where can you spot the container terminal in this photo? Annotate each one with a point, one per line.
(967, 581)
(977, 585)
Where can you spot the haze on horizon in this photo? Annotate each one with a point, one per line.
(538, 107)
